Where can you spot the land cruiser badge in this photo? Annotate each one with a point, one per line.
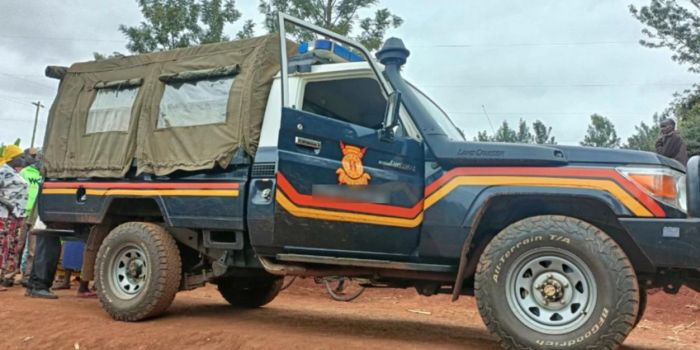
(352, 172)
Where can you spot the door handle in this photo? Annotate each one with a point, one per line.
(306, 142)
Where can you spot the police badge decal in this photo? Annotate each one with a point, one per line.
(352, 172)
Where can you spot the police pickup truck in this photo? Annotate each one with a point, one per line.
(240, 163)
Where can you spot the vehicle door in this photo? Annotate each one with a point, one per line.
(343, 187)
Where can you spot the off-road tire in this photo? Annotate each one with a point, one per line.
(163, 271)
(250, 292)
(642, 306)
(612, 315)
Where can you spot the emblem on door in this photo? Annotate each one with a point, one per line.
(352, 171)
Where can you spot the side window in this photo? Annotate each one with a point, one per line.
(111, 109)
(356, 100)
(195, 102)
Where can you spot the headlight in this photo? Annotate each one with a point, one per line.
(663, 184)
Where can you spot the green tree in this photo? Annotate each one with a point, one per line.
(248, 30)
(171, 24)
(505, 134)
(482, 136)
(524, 134)
(686, 108)
(672, 25)
(601, 133)
(645, 136)
(690, 130)
(340, 16)
(543, 133)
(676, 25)
(100, 56)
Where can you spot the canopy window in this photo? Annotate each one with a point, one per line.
(111, 109)
(195, 102)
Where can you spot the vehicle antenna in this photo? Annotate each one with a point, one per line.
(489, 119)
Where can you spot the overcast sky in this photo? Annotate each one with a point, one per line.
(557, 61)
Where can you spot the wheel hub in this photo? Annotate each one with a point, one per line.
(135, 269)
(551, 290)
(129, 272)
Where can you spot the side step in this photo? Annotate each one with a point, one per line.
(380, 264)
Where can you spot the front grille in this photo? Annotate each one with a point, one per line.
(263, 170)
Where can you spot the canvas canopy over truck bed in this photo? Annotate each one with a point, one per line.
(185, 109)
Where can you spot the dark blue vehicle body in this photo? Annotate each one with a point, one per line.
(355, 177)
(430, 204)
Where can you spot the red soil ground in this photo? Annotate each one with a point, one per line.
(302, 317)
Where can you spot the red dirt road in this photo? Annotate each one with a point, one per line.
(300, 318)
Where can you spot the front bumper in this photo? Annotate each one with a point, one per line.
(668, 243)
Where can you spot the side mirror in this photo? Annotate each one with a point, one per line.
(391, 116)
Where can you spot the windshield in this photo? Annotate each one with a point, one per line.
(444, 121)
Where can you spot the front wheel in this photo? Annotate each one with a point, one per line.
(556, 282)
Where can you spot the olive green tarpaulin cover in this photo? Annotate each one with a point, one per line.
(70, 151)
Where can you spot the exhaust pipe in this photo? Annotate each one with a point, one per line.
(280, 269)
(277, 269)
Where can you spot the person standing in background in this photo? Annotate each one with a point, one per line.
(13, 200)
(32, 175)
(670, 143)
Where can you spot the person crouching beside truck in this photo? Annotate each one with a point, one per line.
(13, 200)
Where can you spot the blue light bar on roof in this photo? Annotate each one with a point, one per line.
(330, 50)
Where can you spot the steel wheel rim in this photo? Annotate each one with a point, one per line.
(551, 291)
(129, 270)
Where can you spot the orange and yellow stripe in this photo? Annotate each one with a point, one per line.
(607, 180)
(143, 189)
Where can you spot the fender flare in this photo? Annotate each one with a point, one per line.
(486, 198)
(109, 200)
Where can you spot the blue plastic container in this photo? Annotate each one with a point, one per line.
(73, 255)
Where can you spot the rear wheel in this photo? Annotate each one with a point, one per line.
(556, 282)
(138, 271)
(250, 292)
